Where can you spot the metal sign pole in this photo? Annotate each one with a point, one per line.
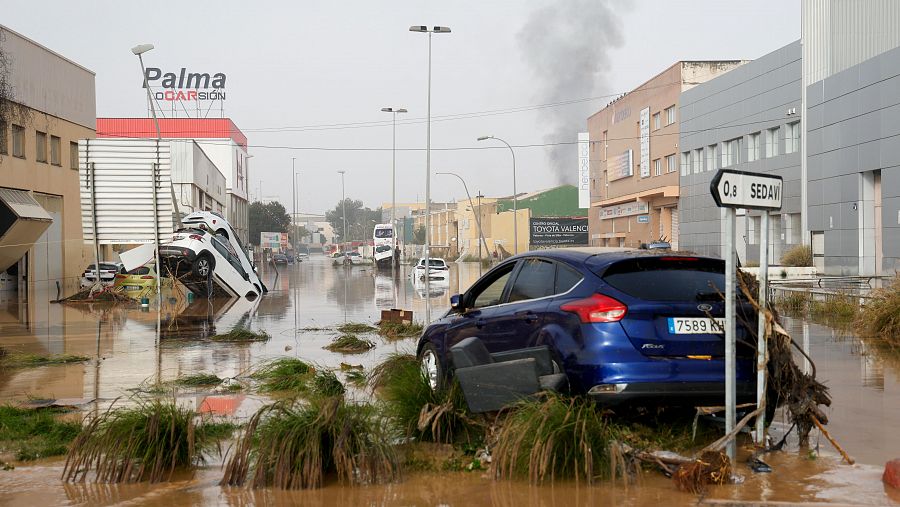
(730, 330)
(761, 348)
(733, 189)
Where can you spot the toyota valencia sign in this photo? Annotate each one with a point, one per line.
(559, 231)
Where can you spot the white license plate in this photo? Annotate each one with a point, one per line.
(133, 287)
(696, 325)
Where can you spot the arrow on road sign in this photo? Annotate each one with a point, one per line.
(741, 189)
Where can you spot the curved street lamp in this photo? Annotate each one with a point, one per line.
(477, 215)
(515, 195)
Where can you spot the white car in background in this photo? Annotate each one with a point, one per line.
(437, 270)
(354, 258)
(108, 272)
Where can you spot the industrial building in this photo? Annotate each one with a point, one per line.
(220, 140)
(454, 226)
(749, 120)
(634, 163)
(52, 107)
(821, 113)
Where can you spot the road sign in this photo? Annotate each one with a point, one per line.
(741, 189)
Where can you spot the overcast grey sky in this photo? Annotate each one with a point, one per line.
(312, 63)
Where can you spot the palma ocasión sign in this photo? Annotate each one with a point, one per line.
(741, 189)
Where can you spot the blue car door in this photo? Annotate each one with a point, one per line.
(519, 323)
(483, 303)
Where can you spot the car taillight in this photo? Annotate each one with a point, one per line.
(196, 237)
(597, 308)
(147, 277)
(120, 276)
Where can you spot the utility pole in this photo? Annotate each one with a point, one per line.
(293, 203)
(479, 196)
(344, 234)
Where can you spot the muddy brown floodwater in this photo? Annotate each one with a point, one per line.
(127, 350)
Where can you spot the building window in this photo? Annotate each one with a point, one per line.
(753, 230)
(18, 141)
(3, 141)
(753, 147)
(711, 159)
(772, 142)
(657, 167)
(603, 140)
(656, 121)
(55, 155)
(73, 155)
(40, 146)
(685, 163)
(731, 152)
(670, 163)
(670, 115)
(791, 227)
(697, 160)
(792, 138)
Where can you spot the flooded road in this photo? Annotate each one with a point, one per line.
(128, 349)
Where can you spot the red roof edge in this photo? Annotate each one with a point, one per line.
(172, 128)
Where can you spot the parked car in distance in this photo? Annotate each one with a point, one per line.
(637, 326)
(137, 282)
(437, 270)
(354, 258)
(279, 259)
(108, 272)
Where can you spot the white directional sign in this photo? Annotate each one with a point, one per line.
(740, 189)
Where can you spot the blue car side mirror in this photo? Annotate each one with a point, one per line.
(455, 301)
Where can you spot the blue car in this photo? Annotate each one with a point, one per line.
(637, 326)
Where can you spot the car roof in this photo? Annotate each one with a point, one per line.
(603, 256)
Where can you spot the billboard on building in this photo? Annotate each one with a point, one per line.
(645, 142)
(620, 166)
(558, 231)
(625, 210)
(273, 240)
(584, 170)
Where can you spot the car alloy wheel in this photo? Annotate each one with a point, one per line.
(203, 266)
(430, 368)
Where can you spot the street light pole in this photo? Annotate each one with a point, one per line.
(479, 196)
(293, 202)
(394, 112)
(515, 194)
(429, 31)
(477, 217)
(343, 212)
(139, 50)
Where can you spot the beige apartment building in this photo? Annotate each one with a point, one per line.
(53, 106)
(634, 163)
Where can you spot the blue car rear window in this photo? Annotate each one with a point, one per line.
(668, 278)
